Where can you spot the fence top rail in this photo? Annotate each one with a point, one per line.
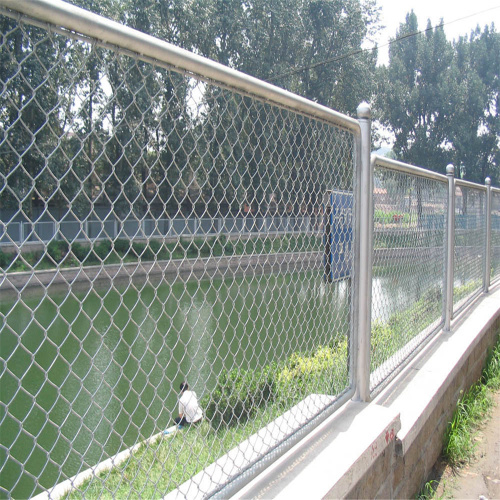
(495, 190)
(83, 22)
(398, 166)
(468, 184)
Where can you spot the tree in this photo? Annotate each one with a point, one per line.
(473, 100)
(441, 100)
(30, 115)
(412, 90)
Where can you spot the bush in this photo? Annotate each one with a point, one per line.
(239, 393)
(237, 396)
(229, 248)
(57, 250)
(122, 247)
(218, 245)
(142, 251)
(303, 373)
(103, 249)
(5, 259)
(190, 248)
(155, 249)
(80, 252)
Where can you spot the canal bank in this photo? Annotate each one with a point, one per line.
(185, 269)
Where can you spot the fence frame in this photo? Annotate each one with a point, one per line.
(150, 49)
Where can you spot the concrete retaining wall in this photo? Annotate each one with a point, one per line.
(435, 383)
(168, 270)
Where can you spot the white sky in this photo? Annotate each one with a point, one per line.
(451, 11)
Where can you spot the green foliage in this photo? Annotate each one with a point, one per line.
(389, 336)
(440, 100)
(122, 246)
(82, 253)
(428, 491)
(303, 373)
(239, 394)
(103, 249)
(229, 248)
(155, 246)
(459, 440)
(57, 250)
(6, 259)
(108, 252)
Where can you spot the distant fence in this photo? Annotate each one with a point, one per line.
(19, 233)
(452, 228)
(96, 114)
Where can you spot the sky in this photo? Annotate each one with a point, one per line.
(462, 16)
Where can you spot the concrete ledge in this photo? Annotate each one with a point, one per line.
(333, 458)
(425, 394)
(417, 392)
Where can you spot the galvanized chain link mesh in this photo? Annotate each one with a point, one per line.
(470, 240)
(155, 229)
(495, 236)
(408, 267)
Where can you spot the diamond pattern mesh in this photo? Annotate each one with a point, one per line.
(470, 239)
(495, 235)
(408, 266)
(156, 228)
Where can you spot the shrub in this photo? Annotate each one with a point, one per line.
(122, 247)
(303, 373)
(57, 250)
(155, 249)
(229, 248)
(142, 251)
(206, 248)
(239, 393)
(190, 247)
(218, 245)
(80, 252)
(5, 259)
(103, 249)
(237, 396)
(138, 248)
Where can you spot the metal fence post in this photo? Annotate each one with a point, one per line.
(487, 250)
(450, 248)
(364, 265)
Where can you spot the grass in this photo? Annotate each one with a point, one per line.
(459, 444)
(154, 470)
(471, 413)
(388, 337)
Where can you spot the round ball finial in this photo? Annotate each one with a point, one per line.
(450, 169)
(487, 181)
(364, 110)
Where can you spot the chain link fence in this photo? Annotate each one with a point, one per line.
(470, 240)
(409, 256)
(91, 365)
(495, 235)
(167, 220)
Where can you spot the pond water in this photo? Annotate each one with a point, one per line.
(90, 373)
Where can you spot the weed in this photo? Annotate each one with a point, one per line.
(459, 443)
